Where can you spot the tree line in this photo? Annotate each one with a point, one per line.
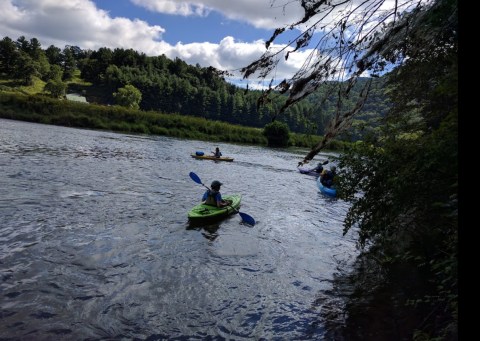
(159, 84)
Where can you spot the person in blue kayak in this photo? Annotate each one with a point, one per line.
(213, 197)
(327, 177)
(217, 152)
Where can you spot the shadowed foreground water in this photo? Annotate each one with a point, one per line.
(95, 241)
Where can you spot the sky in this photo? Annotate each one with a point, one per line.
(225, 34)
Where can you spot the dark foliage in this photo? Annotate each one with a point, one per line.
(277, 134)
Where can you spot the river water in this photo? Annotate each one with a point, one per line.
(95, 242)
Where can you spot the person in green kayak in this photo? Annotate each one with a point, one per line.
(217, 152)
(213, 197)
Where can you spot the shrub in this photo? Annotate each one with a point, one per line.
(277, 134)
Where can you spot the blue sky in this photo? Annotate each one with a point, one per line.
(224, 34)
(187, 28)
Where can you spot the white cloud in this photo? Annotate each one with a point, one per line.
(184, 8)
(265, 14)
(74, 22)
(230, 55)
(81, 23)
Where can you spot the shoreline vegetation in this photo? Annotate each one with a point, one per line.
(39, 108)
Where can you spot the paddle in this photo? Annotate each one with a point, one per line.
(323, 164)
(302, 163)
(245, 217)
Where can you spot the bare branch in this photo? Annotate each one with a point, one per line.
(353, 37)
(339, 123)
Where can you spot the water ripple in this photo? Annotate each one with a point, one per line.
(95, 242)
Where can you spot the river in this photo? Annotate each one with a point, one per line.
(95, 242)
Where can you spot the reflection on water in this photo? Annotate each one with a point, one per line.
(208, 229)
(95, 241)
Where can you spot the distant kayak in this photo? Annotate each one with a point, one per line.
(330, 191)
(207, 212)
(307, 171)
(211, 157)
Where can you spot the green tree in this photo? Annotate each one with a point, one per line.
(128, 96)
(177, 67)
(55, 73)
(277, 134)
(113, 75)
(69, 63)
(42, 65)
(25, 69)
(23, 44)
(56, 87)
(35, 49)
(8, 56)
(54, 55)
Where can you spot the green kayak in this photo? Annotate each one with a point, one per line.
(206, 212)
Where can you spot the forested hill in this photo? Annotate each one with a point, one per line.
(168, 86)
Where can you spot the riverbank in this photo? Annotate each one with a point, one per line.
(41, 109)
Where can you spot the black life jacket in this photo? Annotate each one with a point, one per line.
(211, 198)
(327, 176)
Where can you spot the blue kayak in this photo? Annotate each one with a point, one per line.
(330, 191)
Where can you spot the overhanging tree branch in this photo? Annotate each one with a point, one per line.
(353, 38)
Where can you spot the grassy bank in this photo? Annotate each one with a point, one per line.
(42, 109)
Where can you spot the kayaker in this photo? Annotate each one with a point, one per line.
(327, 177)
(213, 196)
(217, 152)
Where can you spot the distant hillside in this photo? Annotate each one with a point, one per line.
(167, 86)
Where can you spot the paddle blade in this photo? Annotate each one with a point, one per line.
(324, 162)
(195, 178)
(246, 218)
